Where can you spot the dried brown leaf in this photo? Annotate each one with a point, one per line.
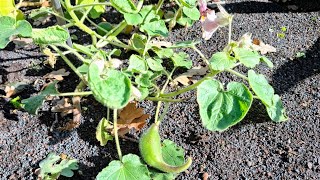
(131, 117)
(258, 45)
(186, 77)
(57, 75)
(51, 60)
(160, 43)
(63, 106)
(14, 88)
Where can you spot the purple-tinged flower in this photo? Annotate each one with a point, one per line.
(211, 21)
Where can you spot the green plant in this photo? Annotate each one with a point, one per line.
(53, 166)
(115, 85)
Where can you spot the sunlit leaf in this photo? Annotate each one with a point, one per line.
(220, 109)
(102, 135)
(130, 168)
(50, 35)
(222, 61)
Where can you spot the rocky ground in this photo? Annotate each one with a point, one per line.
(255, 149)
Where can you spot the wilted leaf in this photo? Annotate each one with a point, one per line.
(32, 104)
(57, 75)
(258, 45)
(50, 35)
(102, 135)
(131, 117)
(63, 106)
(51, 59)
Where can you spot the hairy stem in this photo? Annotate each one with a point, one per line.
(115, 129)
(81, 6)
(201, 55)
(84, 93)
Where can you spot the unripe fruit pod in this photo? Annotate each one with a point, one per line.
(150, 149)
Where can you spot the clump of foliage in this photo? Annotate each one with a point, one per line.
(53, 166)
(117, 86)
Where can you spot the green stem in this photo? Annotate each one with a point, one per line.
(115, 129)
(237, 74)
(156, 118)
(146, 46)
(90, 5)
(188, 88)
(158, 6)
(104, 40)
(201, 55)
(84, 93)
(67, 61)
(164, 99)
(81, 58)
(230, 29)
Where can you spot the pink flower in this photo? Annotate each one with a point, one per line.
(211, 21)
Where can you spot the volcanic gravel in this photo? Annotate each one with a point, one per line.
(257, 148)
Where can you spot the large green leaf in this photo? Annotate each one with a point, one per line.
(247, 57)
(133, 19)
(222, 61)
(221, 109)
(155, 28)
(155, 64)
(50, 35)
(111, 88)
(124, 6)
(261, 87)
(130, 168)
(265, 93)
(32, 104)
(10, 27)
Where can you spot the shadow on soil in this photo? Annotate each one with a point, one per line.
(298, 69)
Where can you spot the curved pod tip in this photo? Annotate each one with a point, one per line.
(150, 149)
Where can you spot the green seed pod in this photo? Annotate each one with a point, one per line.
(150, 149)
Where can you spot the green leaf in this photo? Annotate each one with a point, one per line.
(222, 61)
(137, 64)
(184, 44)
(10, 28)
(149, 14)
(133, 19)
(158, 175)
(32, 104)
(144, 80)
(163, 52)
(101, 133)
(247, 57)
(138, 41)
(185, 21)
(188, 3)
(181, 60)
(41, 12)
(111, 88)
(221, 109)
(95, 11)
(144, 93)
(83, 69)
(261, 87)
(267, 61)
(155, 28)
(193, 13)
(277, 112)
(50, 35)
(51, 168)
(103, 28)
(124, 6)
(172, 153)
(130, 168)
(265, 93)
(155, 64)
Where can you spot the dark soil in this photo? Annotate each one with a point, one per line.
(255, 149)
